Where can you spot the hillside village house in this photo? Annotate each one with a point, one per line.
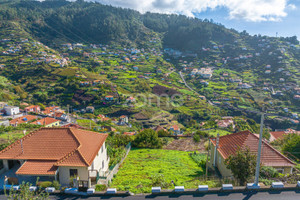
(50, 110)
(11, 110)
(57, 154)
(123, 120)
(33, 108)
(47, 122)
(22, 120)
(205, 72)
(229, 144)
(278, 135)
(175, 129)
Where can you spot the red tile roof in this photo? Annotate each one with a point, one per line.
(45, 121)
(72, 126)
(23, 119)
(229, 144)
(175, 127)
(129, 133)
(158, 128)
(61, 146)
(278, 134)
(38, 167)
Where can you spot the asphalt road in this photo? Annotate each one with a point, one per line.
(286, 195)
(272, 195)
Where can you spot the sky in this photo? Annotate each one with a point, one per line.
(265, 17)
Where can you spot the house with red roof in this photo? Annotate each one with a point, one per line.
(277, 135)
(227, 145)
(103, 118)
(22, 120)
(123, 120)
(175, 129)
(47, 122)
(33, 108)
(57, 154)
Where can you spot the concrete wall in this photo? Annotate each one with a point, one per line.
(64, 174)
(100, 158)
(53, 124)
(4, 123)
(220, 164)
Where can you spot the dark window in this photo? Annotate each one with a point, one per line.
(102, 164)
(73, 172)
(102, 149)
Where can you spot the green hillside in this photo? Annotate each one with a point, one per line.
(78, 53)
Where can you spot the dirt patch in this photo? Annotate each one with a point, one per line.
(161, 90)
(3, 141)
(185, 144)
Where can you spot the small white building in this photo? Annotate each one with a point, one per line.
(11, 110)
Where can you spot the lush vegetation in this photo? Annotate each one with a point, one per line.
(242, 164)
(147, 138)
(144, 168)
(291, 145)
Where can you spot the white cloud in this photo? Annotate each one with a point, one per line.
(250, 10)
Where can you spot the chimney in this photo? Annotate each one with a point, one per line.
(22, 146)
(24, 132)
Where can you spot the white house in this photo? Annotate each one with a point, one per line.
(205, 72)
(11, 110)
(58, 154)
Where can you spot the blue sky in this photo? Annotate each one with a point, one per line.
(286, 26)
(265, 17)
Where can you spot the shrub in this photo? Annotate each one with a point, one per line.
(163, 133)
(196, 138)
(100, 187)
(56, 185)
(202, 134)
(266, 182)
(268, 172)
(44, 184)
(158, 180)
(148, 138)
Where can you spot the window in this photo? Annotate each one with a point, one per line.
(102, 149)
(1, 164)
(280, 170)
(73, 172)
(220, 160)
(102, 164)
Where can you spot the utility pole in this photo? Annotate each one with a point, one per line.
(259, 150)
(68, 117)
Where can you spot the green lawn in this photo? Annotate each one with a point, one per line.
(86, 122)
(214, 132)
(137, 172)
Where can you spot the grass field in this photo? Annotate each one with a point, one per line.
(141, 166)
(214, 132)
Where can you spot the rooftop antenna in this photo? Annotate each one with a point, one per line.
(259, 149)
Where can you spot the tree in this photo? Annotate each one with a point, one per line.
(148, 138)
(242, 164)
(291, 144)
(163, 133)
